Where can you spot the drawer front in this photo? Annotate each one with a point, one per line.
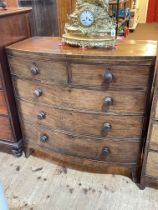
(110, 75)
(98, 101)
(5, 129)
(3, 106)
(154, 136)
(91, 148)
(41, 70)
(152, 164)
(82, 123)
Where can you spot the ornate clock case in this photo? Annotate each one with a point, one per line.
(90, 25)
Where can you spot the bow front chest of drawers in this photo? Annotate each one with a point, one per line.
(87, 108)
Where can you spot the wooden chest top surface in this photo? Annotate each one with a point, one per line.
(13, 10)
(53, 46)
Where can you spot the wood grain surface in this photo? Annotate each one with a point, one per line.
(64, 9)
(12, 3)
(3, 107)
(139, 52)
(12, 10)
(5, 129)
(152, 164)
(94, 75)
(154, 136)
(20, 33)
(91, 148)
(82, 99)
(81, 123)
(14, 26)
(49, 71)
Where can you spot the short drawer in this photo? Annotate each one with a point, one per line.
(81, 123)
(82, 99)
(91, 148)
(102, 75)
(3, 106)
(5, 129)
(152, 164)
(48, 70)
(154, 136)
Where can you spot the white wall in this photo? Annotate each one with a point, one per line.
(143, 6)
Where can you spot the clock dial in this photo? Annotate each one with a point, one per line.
(86, 18)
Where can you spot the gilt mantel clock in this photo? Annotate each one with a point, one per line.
(90, 25)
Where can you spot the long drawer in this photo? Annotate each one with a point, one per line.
(81, 123)
(41, 70)
(91, 148)
(82, 99)
(5, 129)
(100, 74)
(3, 107)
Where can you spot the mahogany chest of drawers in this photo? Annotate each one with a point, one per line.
(86, 108)
(14, 27)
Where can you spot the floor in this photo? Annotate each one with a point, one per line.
(148, 31)
(35, 184)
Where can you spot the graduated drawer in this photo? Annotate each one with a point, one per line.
(83, 99)
(48, 70)
(152, 164)
(3, 106)
(100, 75)
(82, 123)
(5, 129)
(85, 147)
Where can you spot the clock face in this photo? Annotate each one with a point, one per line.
(86, 18)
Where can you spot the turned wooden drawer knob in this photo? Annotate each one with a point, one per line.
(105, 152)
(108, 101)
(44, 138)
(107, 126)
(34, 70)
(108, 77)
(38, 92)
(41, 115)
(105, 129)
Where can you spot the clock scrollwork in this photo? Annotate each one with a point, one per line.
(90, 25)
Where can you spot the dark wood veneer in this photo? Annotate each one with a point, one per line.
(14, 27)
